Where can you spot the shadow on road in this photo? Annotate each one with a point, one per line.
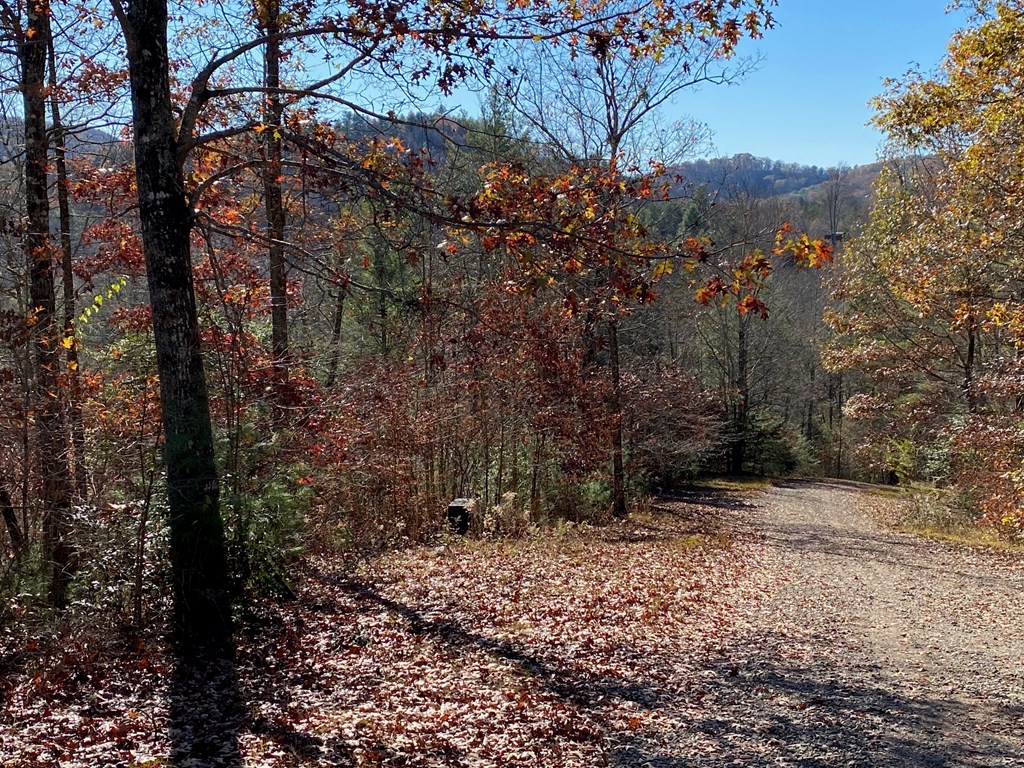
(862, 541)
(706, 496)
(758, 710)
(753, 703)
(770, 712)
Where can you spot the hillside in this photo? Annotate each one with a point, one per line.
(759, 177)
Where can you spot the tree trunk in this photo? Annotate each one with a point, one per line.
(11, 521)
(335, 359)
(274, 201)
(51, 438)
(618, 466)
(970, 395)
(74, 388)
(739, 447)
(197, 551)
(839, 427)
(535, 479)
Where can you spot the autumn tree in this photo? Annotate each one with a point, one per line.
(944, 247)
(601, 106)
(268, 16)
(901, 318)
(60, 138)
(198, 555)
(734, 338)
(425, 43)
(31, 34)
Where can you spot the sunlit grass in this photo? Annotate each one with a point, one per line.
(939, 515)
(973, 537)
(742, 485)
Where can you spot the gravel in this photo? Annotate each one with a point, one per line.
(858, 647)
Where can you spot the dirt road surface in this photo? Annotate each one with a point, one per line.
(873, 648)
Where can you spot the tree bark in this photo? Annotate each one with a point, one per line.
(51, 437)
(274, 201)
(618, 465)
(839, 426)
(970, 395)
(11, 521)
(738, 454)
(335, 358)
(197, 551)
(74, 388)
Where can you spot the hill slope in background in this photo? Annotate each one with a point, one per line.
(742, 175)
(749, 176)
(80, 141)
(760, 177)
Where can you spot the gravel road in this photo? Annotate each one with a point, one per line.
(870, 648)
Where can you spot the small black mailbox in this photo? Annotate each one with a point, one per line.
(458, 515)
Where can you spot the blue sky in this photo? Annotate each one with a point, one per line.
(822, 63)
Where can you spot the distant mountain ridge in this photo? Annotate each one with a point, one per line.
(750, 176)
(79, 140)
(745, 175)
(742, 175)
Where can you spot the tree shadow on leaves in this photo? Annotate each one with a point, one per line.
(571, 685)
(266, 690)
(675, 515)
(761, 710)
(210, 711)
(205, 709)
(706, 496)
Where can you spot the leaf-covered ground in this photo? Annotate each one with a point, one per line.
(710, 632)
(545, 651)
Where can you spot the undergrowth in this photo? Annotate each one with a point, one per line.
(940, 514)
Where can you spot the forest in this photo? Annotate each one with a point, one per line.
(264, 315)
